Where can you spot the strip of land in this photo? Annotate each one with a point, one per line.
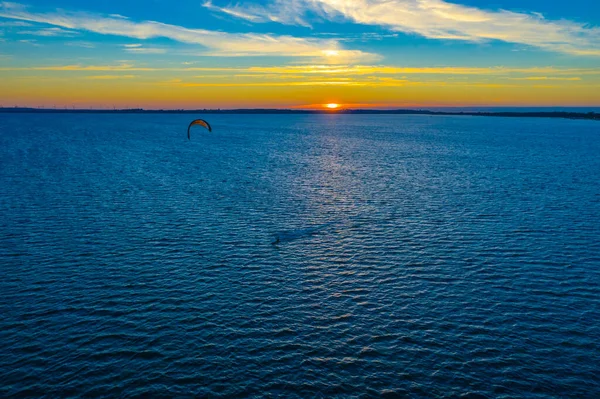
(511, 114)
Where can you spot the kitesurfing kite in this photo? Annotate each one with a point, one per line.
(200, 122)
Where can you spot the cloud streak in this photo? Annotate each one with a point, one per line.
(350, 70)
(140, 49)
(364, 82)
(215, 43)
(288, 12)
(81, 44)
(110, 77)
(49, 32)
(434, 19)
(333, 76)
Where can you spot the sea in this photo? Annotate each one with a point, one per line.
(299, 256)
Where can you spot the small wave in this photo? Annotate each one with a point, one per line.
(291, 235)
(300, 233)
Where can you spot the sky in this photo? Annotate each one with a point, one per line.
(194, 54)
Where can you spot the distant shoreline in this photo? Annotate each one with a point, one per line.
(515, 114)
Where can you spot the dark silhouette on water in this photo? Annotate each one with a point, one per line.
(299, 233)
(199, 122)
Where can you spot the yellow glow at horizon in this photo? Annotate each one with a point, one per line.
(165, 89)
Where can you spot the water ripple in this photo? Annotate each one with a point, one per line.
(417, 257)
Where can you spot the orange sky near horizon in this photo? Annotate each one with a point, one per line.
(134, 89)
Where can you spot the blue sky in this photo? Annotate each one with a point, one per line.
(158, 41)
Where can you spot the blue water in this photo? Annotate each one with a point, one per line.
(418, 256)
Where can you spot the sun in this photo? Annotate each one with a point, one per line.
(332, 106)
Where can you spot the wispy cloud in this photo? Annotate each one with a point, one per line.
(146, 50)
(248, 15)
(434, 19)
(50, 32)
(140, 49)
(33, 42)
(110, 77)
(571, 79)
(343, 76)
(82, 44)
(289, 12)
(372, 82)
(275, 84)
(357, 70)
(83, 68)
(538, 73)
(14, 24)
(215, 43)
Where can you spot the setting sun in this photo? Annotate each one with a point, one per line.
(332, 106)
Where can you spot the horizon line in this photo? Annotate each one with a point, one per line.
(546, 112)
(299, 109)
